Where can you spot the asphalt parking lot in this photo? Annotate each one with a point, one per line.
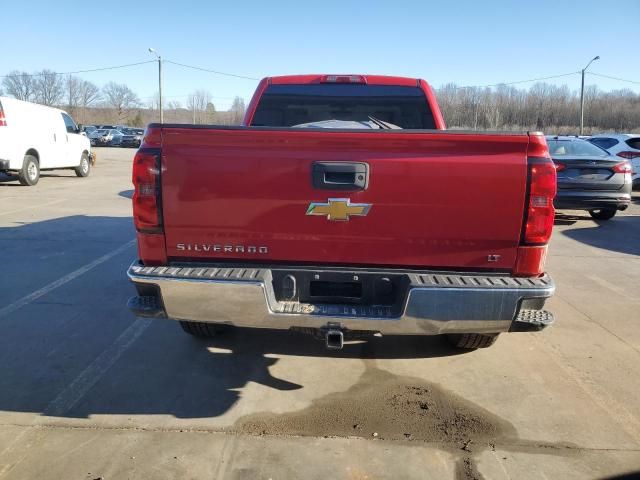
(87, 391)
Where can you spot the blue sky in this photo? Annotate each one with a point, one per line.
(469, 43)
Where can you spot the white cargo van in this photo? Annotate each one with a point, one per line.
(34, 138)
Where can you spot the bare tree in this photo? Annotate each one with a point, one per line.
(154, 102)
(551, 108)
(197, 102)
(19, 85)
(237, 110)
(49, 88)
(121, 98)
(210, 112)
(82, 94)
(73, 92)
(89, 94)
(173, 110)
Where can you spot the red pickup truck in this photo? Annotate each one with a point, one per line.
(343, 208)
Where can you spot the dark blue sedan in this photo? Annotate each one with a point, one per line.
(589, 178)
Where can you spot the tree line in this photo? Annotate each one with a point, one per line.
(546, 107)
(114, 102)
(543, 106)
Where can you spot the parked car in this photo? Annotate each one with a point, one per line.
(96, 137)
(342, 232)
(589, 177)
(88, 129)
(623, 145)
(106, 138)
(34, 138)
(132, 137)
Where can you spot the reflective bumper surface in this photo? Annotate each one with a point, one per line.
(435, 303)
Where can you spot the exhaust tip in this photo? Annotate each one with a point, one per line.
(334, 339)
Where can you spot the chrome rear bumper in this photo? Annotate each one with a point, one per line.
(435, 302)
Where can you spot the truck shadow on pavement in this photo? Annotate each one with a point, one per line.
(620, 234)
(168, 372)
(71, 349)
(290, 343)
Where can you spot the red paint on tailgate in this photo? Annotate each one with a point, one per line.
(439, 200)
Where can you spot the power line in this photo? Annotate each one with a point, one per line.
(211, 71)
(522, 81)
(217, 72)
(471, 86)
(188, 95)
(78, 71)
(613, 78)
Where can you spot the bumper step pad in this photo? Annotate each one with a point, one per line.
(532, 321)
(148, 307)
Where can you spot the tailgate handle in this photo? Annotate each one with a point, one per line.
(340, 175)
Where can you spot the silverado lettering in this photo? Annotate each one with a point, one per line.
(203, 247)
(455, 243)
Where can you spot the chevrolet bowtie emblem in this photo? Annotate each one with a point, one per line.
(338, 209)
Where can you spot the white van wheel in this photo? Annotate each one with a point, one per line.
(84, 168)
(30, 172)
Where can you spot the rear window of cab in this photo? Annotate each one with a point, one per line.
(292, 105)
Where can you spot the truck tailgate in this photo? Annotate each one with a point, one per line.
(437, 199)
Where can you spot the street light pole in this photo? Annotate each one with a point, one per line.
(582, 94)
(151, 50)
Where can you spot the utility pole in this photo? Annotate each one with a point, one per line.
(582, 94)
(151, 50)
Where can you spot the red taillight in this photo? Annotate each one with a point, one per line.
(624, 167)
(147, 214)
(560, 166)
(628, 155)
(540, 212)
(343, 79)
(3, 120)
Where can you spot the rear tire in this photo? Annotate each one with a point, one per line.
(603, 213)
(84, 168)
(29, 174)
(471, 341)
(200, 329)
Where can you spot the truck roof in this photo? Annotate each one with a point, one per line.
(318, 78)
